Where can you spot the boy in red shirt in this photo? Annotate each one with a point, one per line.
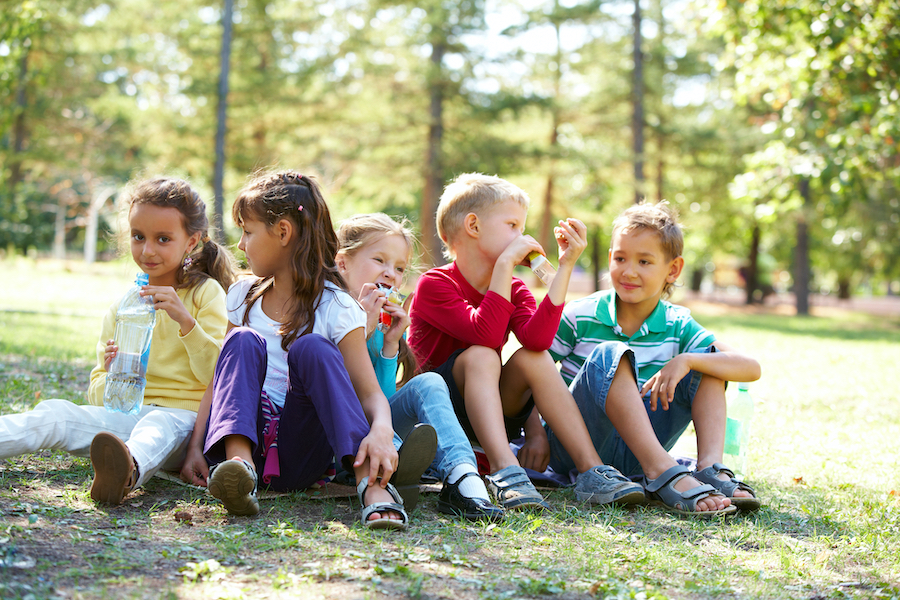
(461, 316)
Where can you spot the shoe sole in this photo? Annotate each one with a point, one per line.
(416, 455)
(624, 498)
(231, 484)
(448, 509)
(703, 514)
(113, 466)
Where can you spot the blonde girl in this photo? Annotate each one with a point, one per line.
(375, 253)
(167, 228)
(294, 387)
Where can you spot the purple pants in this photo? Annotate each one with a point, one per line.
(322, 417)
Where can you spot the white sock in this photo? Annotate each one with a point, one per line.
(471, 487)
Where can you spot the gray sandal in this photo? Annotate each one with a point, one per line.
(662, 492)
(728, 487)
(513, 489)
(395, 506)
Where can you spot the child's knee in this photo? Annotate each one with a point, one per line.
(478, 357)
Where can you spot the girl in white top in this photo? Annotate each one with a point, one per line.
(294, 387)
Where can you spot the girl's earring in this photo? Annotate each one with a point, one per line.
(186, 262)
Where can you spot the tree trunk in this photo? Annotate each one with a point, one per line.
(545, 234)
(801, 254)
(90, 233)
(595, 258)
(434, 162)
(751, 274)
(637, 99)
(19, 131)
(221, 122)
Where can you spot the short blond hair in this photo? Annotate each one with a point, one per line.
(472, 193)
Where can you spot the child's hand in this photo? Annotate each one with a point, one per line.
(662, 385)
(378, 448)
(166, 298)
(571, 236)
(111, 350)
(372, 298)
(534, 453)
(518, 250)
(399, 323)
(195, 470)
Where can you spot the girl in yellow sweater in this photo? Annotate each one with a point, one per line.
(189, 273)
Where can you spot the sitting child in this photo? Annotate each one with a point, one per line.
(671, 362)
(462, 315)
(374, 256)
(167, 229)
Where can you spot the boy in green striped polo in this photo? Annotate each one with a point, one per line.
(675, 372)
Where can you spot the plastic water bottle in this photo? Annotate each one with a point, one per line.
(737, 430)
(541, 267)
(127, 374)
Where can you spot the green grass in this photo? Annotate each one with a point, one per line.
(826, 440)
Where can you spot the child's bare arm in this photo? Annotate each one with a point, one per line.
(571, 236)
(727, 364)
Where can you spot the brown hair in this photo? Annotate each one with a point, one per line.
(359, 231)
(662, 220)
(472, 193)
(270, 197)
(208, 259)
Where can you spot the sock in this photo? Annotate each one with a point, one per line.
(471, 487)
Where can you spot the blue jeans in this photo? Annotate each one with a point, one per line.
(590, 388)
(425, 399)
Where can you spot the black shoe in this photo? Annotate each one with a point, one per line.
(452, 502)
(416, 455)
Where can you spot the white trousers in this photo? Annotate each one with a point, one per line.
(157, 437)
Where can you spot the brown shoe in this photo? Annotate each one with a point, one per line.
(113, 469)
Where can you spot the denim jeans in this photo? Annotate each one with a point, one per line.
(425, 399)
(590, 388)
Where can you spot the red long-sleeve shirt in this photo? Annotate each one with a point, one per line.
(448, 314)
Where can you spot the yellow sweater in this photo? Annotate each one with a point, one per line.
(180, 367)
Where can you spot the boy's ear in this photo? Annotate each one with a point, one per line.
(284, 229)
(675, 269)
(471, 225)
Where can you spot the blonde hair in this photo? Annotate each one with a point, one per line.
(472, 193)
(359, 231)
(659, 218)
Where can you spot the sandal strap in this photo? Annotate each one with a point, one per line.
(670, 474)
(384, 507)
(710, 475)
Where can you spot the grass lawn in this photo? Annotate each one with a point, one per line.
(826, 441)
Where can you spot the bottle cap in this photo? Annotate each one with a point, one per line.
(743, 386)
(536, 259)
(142, 279)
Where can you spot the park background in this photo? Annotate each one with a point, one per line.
(771, 126)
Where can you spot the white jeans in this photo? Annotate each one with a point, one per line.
(157, 437)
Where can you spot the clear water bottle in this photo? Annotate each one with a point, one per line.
(127, 374)
(541, 267)
(737, 430)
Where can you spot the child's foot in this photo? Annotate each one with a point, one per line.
(234, 482)
(382, 508)
(452, 501)
(513, 489)
(114, 469)
(606, 485)
(722, 478)
(676, 490)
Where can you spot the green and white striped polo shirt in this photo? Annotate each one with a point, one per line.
(668, 331)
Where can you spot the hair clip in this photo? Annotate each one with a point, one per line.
(300, 208)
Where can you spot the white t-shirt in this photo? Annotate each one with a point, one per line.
(337, 315)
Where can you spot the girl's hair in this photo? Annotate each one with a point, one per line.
(661, 219)
(271, 197)
(359, 231)
(208, 259)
